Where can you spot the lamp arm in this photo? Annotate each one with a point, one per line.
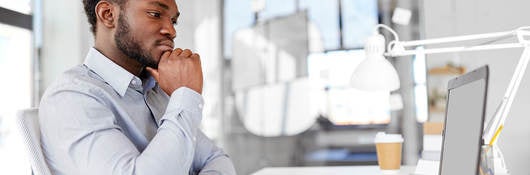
(457, 39)
(396, 36)
(496, 123)
(399, 48)
(516, 80)
(395, 53)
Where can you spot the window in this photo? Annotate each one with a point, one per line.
(355, 19)
(16, 53)
(15, 65)
(277, 8)
(358, 19)
(326, 18)
(21, 6)
(237, 15)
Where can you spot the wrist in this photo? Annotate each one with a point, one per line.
(187, 98)
(172, 90)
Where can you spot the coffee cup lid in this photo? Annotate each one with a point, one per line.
(382, 137)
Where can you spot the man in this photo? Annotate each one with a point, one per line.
(134, 106)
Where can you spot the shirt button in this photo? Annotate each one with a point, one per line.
(194, 138)
(200, 106)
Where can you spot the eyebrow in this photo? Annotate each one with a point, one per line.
(164, 6)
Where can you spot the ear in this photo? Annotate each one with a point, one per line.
(107, 13)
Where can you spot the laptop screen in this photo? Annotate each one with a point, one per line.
(464, 123)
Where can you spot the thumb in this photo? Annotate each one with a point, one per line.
(153, 72)
(165, 56)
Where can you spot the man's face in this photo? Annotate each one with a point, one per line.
(146, 30)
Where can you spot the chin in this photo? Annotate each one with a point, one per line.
(157, 55)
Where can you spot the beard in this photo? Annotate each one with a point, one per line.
(130, 46)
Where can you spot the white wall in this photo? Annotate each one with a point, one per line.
(456, 17)
(66, 38)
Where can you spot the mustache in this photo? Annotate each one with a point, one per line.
(166, 42)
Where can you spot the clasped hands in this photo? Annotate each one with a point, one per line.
(178, 68)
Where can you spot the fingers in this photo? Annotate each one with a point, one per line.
(177, 51)
(153, 73)
(195, 55)
(186, 53)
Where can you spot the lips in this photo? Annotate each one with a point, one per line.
(166, 45)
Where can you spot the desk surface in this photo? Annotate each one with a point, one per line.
(330, 170)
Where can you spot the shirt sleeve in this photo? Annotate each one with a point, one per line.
(210, 159)
(81, 136)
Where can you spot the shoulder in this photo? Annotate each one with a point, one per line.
(78, 80)
(76, 98)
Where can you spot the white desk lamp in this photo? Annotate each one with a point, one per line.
(376, 73)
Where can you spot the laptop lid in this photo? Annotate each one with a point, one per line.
(464, 123)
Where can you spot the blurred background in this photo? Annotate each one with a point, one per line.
(277, 74)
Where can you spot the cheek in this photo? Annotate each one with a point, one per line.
(146, 37)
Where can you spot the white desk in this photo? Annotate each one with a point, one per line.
(330, 170)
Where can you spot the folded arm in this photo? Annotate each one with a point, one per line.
(81, 136)
(210, 159)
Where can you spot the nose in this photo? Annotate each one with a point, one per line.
(168, 29)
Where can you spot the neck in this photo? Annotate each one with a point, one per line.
(117, 56)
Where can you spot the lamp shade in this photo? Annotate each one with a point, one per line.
(375, 73)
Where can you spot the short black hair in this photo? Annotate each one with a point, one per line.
(90, 10)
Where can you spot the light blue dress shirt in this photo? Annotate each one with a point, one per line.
(99, 119)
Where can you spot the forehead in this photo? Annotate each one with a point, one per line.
(169, 5)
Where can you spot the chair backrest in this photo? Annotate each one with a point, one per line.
(28, 123)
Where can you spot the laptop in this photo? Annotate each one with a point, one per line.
(464, 123)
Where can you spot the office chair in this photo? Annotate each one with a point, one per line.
(28, 123)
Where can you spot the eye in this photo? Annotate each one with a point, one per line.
(154, 14)
(175, 22)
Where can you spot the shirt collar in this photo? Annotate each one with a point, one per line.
(113, 74)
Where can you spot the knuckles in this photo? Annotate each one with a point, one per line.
(181, 58)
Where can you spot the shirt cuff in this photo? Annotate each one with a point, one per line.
(185, 99)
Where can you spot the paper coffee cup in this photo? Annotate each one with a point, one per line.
(388, 147)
